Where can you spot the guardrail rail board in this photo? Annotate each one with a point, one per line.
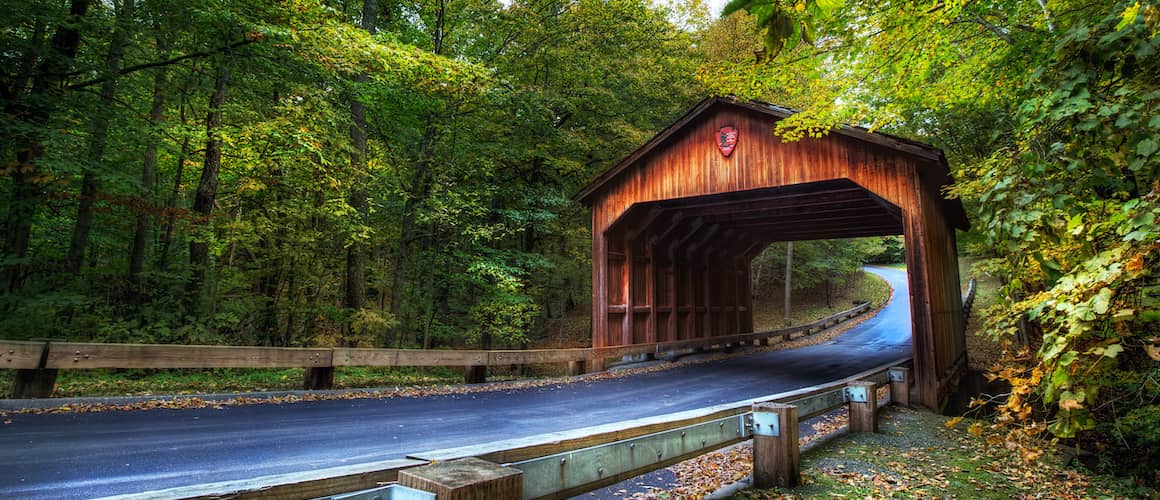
(68, 355)
(18, 355)
(293, 486)
(47, 357)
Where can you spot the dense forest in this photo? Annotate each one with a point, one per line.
(400, 173)
(371, 173)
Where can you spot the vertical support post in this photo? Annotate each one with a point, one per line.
(788, 280)
(575, 368)
(476, 374)
(466, 479)
(863, 406)
(776, 458)
(900, 386)
(38, 382)
(319, 378)
(35, 383)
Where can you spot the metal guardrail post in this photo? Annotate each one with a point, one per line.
(863, 400)
(776, 456)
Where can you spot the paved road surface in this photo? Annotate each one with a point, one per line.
(97, 454)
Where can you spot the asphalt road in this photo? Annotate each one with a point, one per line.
(98, 454)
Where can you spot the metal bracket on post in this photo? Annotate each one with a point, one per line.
(857, 394)
(766, 424)
(895, 375)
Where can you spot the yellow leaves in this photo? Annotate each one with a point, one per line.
(976, 429)
(953, 422)
(1070, 404)
(1036, 376)
(1030, 456)
(1135, 263)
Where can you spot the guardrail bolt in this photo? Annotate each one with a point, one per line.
(659, 455)
(682, 433)
(563, 461)
(600, 472)
(632, 446)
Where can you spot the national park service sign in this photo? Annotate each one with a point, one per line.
(727, 140)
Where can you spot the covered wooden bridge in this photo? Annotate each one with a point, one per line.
(676, 224)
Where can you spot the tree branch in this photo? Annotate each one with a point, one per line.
(167, 62)
(977, 19)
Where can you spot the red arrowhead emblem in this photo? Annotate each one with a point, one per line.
(726, 140)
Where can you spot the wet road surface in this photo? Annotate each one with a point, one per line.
(108, 453)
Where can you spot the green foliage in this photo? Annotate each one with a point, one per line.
(481, 120)
(1047, 111)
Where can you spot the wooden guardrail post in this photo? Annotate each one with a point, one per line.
(466, 479)
(30, 382)
(319, 378)
(863, 399)
(776, 457)
(475, 374)
(34, 383)
(575, 368)
(900, 385)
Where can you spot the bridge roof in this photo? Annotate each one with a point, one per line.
(933, 167)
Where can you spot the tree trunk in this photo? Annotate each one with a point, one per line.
(207, 187)
(171, 203)
(356, 254)
(420, 186)
(148, 172)
(26, 190)
(98, 139)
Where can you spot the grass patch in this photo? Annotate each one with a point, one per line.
(916, 455)
(91, 383)
(811, 305)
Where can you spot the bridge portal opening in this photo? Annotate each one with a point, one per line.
(676, 224)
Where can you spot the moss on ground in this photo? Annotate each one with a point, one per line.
(916, 455)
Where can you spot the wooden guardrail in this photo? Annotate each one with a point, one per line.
(37, 363)
(560, 464)
(969, 301)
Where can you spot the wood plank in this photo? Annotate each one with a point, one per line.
(20, 355)
(409, 357)
(537, 356)
(71, 355)
(466, 479)
(294, 486)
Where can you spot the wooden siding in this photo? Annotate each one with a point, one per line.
(675, 229)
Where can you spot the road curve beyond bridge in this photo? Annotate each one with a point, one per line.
(86, 455)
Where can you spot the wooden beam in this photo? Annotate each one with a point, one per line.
(18, 355)
(69, 355)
